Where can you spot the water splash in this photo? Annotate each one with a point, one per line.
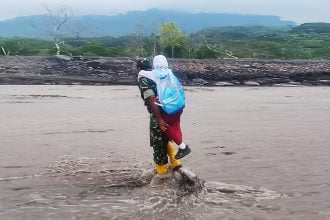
(97, 188)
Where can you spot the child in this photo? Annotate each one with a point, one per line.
(173, 130)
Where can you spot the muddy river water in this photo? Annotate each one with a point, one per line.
(82, 152)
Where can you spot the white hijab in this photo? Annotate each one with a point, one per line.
(160, 64)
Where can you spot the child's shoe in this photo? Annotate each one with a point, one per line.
(182, 152)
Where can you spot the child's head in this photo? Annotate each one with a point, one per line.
(144, 64)
(160, 61)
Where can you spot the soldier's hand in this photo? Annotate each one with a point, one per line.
(162, 124)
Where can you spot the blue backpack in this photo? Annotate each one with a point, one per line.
(170, 91)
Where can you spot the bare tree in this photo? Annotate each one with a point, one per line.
(6, 53)
(58, 18)
(155, 44)
(3, 49)
(214, 49)
(138, 41)
(155, 37)
(190, 46)
(225, 52)
(76, 29)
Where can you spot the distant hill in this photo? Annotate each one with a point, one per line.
(124, 24)
(220, 34)
(309, 28)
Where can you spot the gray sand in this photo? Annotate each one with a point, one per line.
(78, 152)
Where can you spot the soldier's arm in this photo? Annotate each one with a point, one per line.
(150, 98)
(156, 112)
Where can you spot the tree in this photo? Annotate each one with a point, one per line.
(155, 38)
(3, 48)
(5, 53)
(138, 41)
(58, 19)
(171, 36)
(77, 28)
(215, 51)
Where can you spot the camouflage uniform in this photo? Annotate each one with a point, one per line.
(158, 139)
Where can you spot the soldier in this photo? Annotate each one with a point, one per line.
(159, 141)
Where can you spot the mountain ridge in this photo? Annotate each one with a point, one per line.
(126, 23)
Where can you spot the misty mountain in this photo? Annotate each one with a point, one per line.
(123, 24)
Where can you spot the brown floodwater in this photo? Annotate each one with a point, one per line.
(82, 152)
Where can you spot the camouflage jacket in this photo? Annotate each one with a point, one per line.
(147, 88)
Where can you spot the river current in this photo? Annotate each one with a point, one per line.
(81, 152)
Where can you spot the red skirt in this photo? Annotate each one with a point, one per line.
(174, 130)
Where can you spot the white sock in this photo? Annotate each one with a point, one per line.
(182, 146)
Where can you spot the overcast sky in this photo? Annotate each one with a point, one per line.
(296, 10)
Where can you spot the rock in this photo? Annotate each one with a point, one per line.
(63, 57)
(324, 82)
(285, 85)
(294, 83)
(199, 81)
(251, 83)
(177, 176)
(188, 174)
(224, 84)
(103, 75)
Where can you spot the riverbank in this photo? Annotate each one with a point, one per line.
(52, 70)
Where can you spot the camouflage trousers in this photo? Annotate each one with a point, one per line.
(158, 141)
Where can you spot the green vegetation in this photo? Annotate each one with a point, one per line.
(307, 41)
(21, 46)
(171, 37)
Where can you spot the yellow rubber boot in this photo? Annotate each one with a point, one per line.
(161, 169)
(171, 154)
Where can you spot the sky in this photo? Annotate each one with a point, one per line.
(300, 11)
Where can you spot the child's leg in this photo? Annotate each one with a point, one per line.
(174, 130)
